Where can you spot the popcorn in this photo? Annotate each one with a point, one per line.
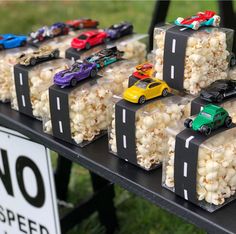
(40, 79)
(206, 57)
(216, 174)
(8, 58)
(151, 121)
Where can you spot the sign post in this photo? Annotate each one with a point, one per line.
(27, 193)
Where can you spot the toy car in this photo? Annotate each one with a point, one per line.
(206, 18)
(82, 23)
(106, 57)
(40, 35)
(58, 29)
(88, 39)
(116, 31)
(77, 72)
(219, 90)
(43, 54)
(211, 117)
(146, 89)
(144, 70)
(46, 32)
(8, 41)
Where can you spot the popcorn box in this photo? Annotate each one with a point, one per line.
(81, 114)
(201, 169)
(137, 133)
(191, 60)
(134, 47)
(8, 58)
(30, 82)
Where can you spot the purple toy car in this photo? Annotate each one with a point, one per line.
(78, 71)
(116, 31)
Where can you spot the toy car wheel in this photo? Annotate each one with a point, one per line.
(164, 92)
(219, 98)
(228, 121)
(56, 54)
(87, 46)
(118, 55)
(93, 73)
(105, 40)
(23, 43)
(118, 35)
(196, 25)
(205, 130)
(1, 47)
(73, 82)
(188, 123)
(179, 20)
(141, 100)
(216, 21)
(32, 61)
(101, 63)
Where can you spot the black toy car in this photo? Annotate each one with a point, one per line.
(105, 57)
(219, 90)
(116, 31)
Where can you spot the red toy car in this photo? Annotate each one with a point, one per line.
(86, 40)
(206, 18)
(82, 23)
(144, 70)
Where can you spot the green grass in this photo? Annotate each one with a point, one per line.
(135, 214)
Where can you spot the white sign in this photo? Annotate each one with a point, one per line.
(27, 194)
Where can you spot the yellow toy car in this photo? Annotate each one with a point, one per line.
(146, 89)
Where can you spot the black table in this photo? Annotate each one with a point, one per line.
(97, 159)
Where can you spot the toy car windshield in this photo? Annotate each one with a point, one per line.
(82, 37)
(206, 115)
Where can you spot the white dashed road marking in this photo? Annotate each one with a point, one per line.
(58, 104)
(21, 79)
(185, 169)
(185, 194)
(173, 45)
(124, 141)
(124, 115)
(172, 74)
(60, 127)
(182, 29)
(23, 100)
(187, 141)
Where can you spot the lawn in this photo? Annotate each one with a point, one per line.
(135, 214)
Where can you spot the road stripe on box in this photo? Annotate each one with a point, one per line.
(187, 141)
(124, 115)
(185, 169)
(58, 104)
(23, 100)
(73, 59)
(185, 194)
(182, 29)
(201, 108)
(173, 45)
(124, 141)
(172, 74)
(60, 127)
(21, 80)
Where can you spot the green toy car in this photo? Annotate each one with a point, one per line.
(211, 117)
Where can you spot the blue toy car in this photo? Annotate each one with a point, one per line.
(206, 18)
(105, 57)
(116, 31)
(8, 41)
